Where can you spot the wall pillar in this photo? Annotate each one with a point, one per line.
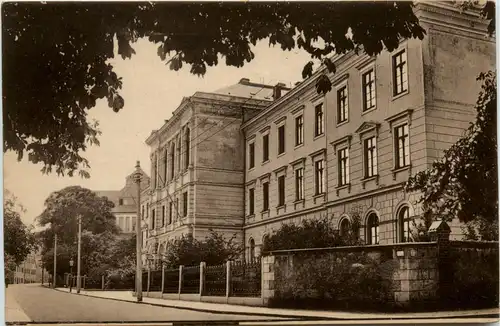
(267, 270)
(440, 232)
(228, 280)
(202, 278)
(162, 279)
(181, 271)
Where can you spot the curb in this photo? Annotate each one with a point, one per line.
(283, 317)
(289, 317)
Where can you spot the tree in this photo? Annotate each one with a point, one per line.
(99, 229)
(56, 67)
(463, 184)
(19, 239)
(188, 251)
(312, 233)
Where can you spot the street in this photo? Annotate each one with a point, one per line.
(46, 305)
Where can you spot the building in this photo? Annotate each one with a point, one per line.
(350, 152)
(295, 154)
(198, 166)
(125, 201)
(31, 270)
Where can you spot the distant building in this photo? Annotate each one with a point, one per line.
(31, 271)
(125, 201)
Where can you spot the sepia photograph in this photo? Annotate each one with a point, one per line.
(250, 162)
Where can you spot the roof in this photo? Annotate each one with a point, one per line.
(244, 88)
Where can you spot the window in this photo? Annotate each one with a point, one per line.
(120, 202)
(299, 130)
(163, 217)
(402, 146)
(147, 209)
(251, 201)
(318, 121)
(404, 231)
(165, 168)
(172, 162)
(265, 148)
(265, 196)
(153, 219)
(187, 149)
(372, 229)
(343, 166)
(400, 73)
(369, 90)
(370, 157)
(299, 184)
(185, 204)
(281, 139)
(134, 222)
(342, 105)
(142, 211)
(170, 211)
(252, 250)
(344, 227)
(177, 208)
(251, 155)
(179, 167)
(281, 190)
(127, 224)
(319, 177)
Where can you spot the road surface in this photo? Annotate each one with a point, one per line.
(45, 305)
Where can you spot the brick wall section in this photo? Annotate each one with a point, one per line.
(416, 279)
(268, 265)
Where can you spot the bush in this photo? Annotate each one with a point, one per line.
(313, 233)
(340, 281)
(474, 279)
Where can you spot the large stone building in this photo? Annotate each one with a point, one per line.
(198, 166)
(125, 201)
(351, 151)
(302, 155)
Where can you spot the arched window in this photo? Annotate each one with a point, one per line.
(252, 250)
(403, 227)
(187, 148)
(372, 229)
(165, 167)
(172, 161)
(344, 227)
(179, 167)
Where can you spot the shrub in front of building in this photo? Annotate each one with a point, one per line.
(349, 281)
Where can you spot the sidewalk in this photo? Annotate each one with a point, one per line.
(13, 311)
(284, 313)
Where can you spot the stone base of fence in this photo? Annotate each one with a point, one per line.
(243, 301)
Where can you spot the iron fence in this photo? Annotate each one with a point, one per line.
(246, 279)
(191, 279)
(171, 281)
(155, 281)
(215, 280)
(93, 283)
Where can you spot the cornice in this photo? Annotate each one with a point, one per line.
(298, 161)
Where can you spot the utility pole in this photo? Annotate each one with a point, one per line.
(138, 272)
(78, 266)
(55, 262)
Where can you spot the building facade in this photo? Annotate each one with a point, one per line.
(198, 166)
(125, 201)
(31, 271)
(348, 153)
(295, 154)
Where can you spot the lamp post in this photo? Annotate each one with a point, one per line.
(138, 271)
(71, 262)
(78, 266)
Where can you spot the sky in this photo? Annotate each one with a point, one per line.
(152, 92)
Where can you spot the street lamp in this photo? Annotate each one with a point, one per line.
(71, 263)
(138, 271)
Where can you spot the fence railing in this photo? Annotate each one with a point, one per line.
(215, 280)
(190, 279)
(246, 279)
(171, 281)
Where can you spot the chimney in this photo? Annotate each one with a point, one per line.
(277, 90)
(244, 81)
